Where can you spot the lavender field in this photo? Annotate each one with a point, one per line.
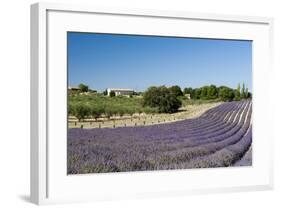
(220, 137)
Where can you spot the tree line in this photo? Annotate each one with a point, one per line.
(155, 99)
(223, 93)
(169, 100)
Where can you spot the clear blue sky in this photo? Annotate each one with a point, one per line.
(129, 61)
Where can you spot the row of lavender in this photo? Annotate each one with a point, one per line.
(218, 138)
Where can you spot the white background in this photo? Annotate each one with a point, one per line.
(14, 103)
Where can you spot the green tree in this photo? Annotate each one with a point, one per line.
(112, 94)
(176, 90)
(196, 93)
(121, 111)
(161, 98)
(81, 111)
(109, 111)
(212, 92)
(237, 93)
(71, 109)
(131, 112)
(204, 91)
(187, 90)
(243, 93)
(226, 94)
(83, 87)
(104, 92)
(96, 111)
(247, 93)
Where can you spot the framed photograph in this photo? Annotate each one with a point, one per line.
(135, 103)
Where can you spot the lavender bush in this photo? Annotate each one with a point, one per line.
(221, 137)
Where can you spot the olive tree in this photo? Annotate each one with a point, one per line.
(96, 111)
(81, 111)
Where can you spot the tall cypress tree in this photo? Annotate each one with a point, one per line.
(237, 92)
(243, 91)
(247, 93)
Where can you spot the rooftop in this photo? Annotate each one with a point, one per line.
(73, 87)
(119, 89)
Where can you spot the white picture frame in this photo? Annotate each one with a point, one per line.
(49, 180)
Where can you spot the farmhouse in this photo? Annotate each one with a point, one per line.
(188, 96)
(74, 88)
(119, 91)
